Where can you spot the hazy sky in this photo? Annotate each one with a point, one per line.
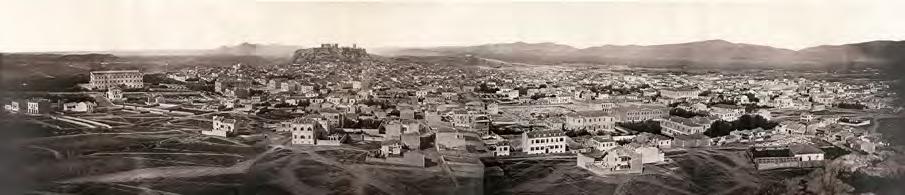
(67, 25)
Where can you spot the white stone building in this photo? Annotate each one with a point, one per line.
(222, 127)
(685, 126)
(116, 78)
(79, 106)
(544, 142)
(38, 106)
(303, 131)
(114, 93)
(591, 121)
(603, 143)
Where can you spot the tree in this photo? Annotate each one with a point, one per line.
(684, 113)
(649, 126)
(826, 180)
(851, 106)
(722, 128)
(752, 97)
(719, 128)
(577, 133)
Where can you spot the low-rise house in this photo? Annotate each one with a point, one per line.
(806, 117)
(862, 145)
(38, 106)
(332, 116)
(501, 148)
(602, 143)
(407, 114)
(395, 128)
(391, 147)
(691, 141)
(493, 108)
(660, 141)
(13, 106)
(727, 112)
(774, 157)
(450, 138)
(114, 94)
(411, 140)
(335, 139)
(222, 127)
(79, 106)
(791, 127)
(807, 152)
(650, 154)
(620, 160)
(462, 118)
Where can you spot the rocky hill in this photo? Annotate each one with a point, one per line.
(329, 53)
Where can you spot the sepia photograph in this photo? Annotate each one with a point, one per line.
(457, 97)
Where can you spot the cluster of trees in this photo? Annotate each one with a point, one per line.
(851, 105)
(577, 133)
(649, 126)
(753, 107)
(685, 113)
(513, 129)
(504, 130)
(538, 96)
(360, 123)
(383, 105)
(722, 128)
(674, 104)
(483, 88)
(752, 98)
(619, 90)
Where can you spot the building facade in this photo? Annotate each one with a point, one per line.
(303, 131)
(114, 93)
(591, 121)
(685, 126)
(619, 160)
(116, 78)
(544, 142)
(222, 127)
(640, 112)
(38, 106)
(676, 93)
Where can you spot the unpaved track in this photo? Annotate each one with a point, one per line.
(169, 172)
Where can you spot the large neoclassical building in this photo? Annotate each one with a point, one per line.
(116, 78)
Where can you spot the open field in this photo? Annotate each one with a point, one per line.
(709, 171)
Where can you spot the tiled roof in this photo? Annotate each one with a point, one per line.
(545, 133)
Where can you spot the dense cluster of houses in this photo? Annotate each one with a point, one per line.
(460, 111)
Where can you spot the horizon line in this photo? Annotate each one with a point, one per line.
(302, 46)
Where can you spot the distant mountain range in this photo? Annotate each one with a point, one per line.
(705, 54)
(717, 54)
(242, 49)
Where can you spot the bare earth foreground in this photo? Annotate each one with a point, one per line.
(708, 171)
(166, 155)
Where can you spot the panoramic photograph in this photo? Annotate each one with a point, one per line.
(496, 97)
